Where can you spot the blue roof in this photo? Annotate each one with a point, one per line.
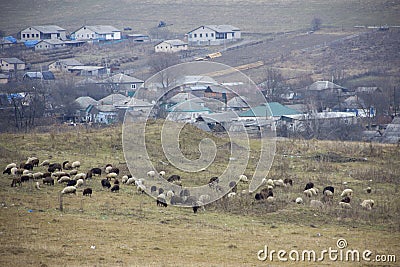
(275, 109)
(31, 43)
(11, 39)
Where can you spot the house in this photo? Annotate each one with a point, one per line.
(64, 64)
(187, 111)
(3, 78)
(273, 110)
(47, 32)
(88, 70)
(49, 44)
(123, 83)
(326, 86)
(171, 46)
(356, 105)
(104, 114)
(133, 104)
(83, 105)
(113, 99)
(213, 35)
(38, 75)
(391, 134)
(218, 93)
(11, 64)
(219, 122)
(96, 32)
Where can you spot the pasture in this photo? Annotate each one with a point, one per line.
(128, 229)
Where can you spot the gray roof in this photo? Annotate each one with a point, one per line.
(106, 108)
(133, 102)
(122, 78)
(102, 29)
(112, 99)
(85, 101)
(188, 106)
(174, 42)
(197, 79)
(392, 132)
(181, 97)
(237, 102)
(13, 60)
(52, 41)
(70, 62)
(220, 28)
(221, 117)
(3, 76)
(324, 85)
(48, 28)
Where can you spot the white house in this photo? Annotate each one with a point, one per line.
(11, 64)
(49, 44)
(96, 32)
(64, 65)
(47, 32)
(213, 35)
(171, 46)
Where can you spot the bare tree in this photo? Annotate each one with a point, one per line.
(316, 24)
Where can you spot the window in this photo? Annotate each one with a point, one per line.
(23, 35)
(87, 35)
(92, 35)
(206, 34)
(133, 86)
(27, 35)
(195, 35)
(37, 35)
(212, 34)
(201, 35)
(233, 34)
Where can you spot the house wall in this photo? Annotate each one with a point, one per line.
(206, 36)
(5, 66)
(168, 48)
(46, 46)
(33, 34)
(87, 34)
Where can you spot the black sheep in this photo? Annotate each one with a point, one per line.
(15, 182)
(161, 202)
(174, 177)
(87, 192)
(105, 183)
(346, 200)
(115, 170)
(48, 180)
(8, 171)
(27, 166)
(115, 188)
(288, 181)
(71, 182)
(309, 185)
(153, 188)
(24, 178)
(329, 188)
(233, 185)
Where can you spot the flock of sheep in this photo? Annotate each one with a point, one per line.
(68, 174)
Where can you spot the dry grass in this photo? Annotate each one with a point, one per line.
(127, 229)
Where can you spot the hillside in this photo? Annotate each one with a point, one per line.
(128, 229)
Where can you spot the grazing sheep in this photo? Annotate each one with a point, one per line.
(75, 164)
(346, 200)
(79, 182)
(347, 193)
(368, 190)
(308, 193)
(25, 172)
(151, 174)
(15, 182)
(161, 201)
(174, 178)
(71, 182)
(162, 173)
(111, 175)
(9, 166)
(105, 183)
(115, 188)
(37, 175)
(27, 166)
(130, 181)
(231, 194)
(243, 178)
(309, 185)
(314, 191)
(270, 182)
(69, 190)
(37, 185)
(53, 167)
(124, 179)
(33, 160)
(344, 205)
(328, 188)
(25, 178)
(316, 203)
(80, 175)
(66, 165)
(87, 192)
(367, 204)
(108, 169)
(299, 200)
(73, 172)
(288, 181)
(141, 188)
(64, 179)
(270, 200)
(278, 182)
(45, 163)
(48, 180)
(176, 200)
(95, 171)
(116, 181)
(264, 194)
(114, 170)
(178, 183)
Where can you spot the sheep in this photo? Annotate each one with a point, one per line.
(161, 201)
(344, 205)
(184, 193)
(151, 174)
(233, 185)
(73, 172)
(64, 179)
(105, 183)
(114, 170)
(141, 188)
(33, 160)
(37, 175)
(346, 200)
(130, 181)
(162, 173)
(48, 180)
(69, 190)
(108, 169)
(87, 192)
(367, 204)
(16, 181)
(309, 185)
(124, 179)
(95, 171)
(37, 185)
(25, 178)
(178, 183)
(299, 200)
(115, 188)
(75, 164)
(308, 193)
(231, 194)
(316, 203)
(368, 190)
(66, 165)
(176, 200)
(288, 181)
(9, 166)
(116, 181)
(173, 178)
(270, 182)
(197, 205)
(328, 188)
(53, 167)
(71, 183)
(27, 166)
(170, 194)
(270, 200)
(347, 193)
(264, 194)
(79, 182)
(80, 175)
(243, 178)
(45, 163)
(111, 175)
(278, 182)
(25, 172)
(314, 191)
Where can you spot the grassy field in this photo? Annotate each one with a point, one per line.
(128, 229)
(250, 15)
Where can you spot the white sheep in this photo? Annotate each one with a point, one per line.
(75, 164)
(14, 170)
(328, 193)
(11, 165)
(80, 175)
(278, 182)
(316, 203)
(170, 193)
(310, 192)
(69, 190)
(25, 172)
(141, 188)
(64, 179)
(73, 172)
(299, 200)
(347, 193)
(79, 182)
(130, 181)
(37, 185)
(243, 178)
(45, 163)
(124, 179)
(314, 191)
(111, 175)
(151, 173)
(231, 194)
(162, 173)
(270, 182)
(177, 182)
(108, 169)
(344, 205)
(367, 204)
(270, 199)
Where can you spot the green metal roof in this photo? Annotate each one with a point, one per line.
(275, 110)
